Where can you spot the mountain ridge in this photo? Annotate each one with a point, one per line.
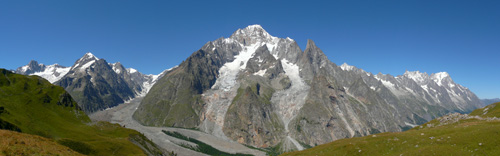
(353, 102)
(486, 102)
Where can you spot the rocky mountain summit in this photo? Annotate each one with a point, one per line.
(264, 91)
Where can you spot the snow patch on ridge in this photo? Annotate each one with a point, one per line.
(131, 70)
(411, 125)
(387, 83)
(147, 85)
(229, 71)
(25, 68)
(416, 76)
(86, 65)
(118, 71)
(425, 88)
(260, 72)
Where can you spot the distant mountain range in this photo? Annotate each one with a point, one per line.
(52, 73)
(486, 102)
(94, 83)
(264, 91)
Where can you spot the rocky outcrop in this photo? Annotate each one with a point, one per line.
(251, 119)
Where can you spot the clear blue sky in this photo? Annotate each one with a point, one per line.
(459, 37)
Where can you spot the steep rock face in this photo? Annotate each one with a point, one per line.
(251, 118)
(265, 91)
(131, 76)
(181, 107)
(313, 61)
(94, 84)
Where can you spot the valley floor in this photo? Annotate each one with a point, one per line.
(122, 114)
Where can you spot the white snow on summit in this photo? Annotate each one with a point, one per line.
(91, 56)
(417, 76)
(346, 67)
(131, 70)
(438, 77)
(87, 58)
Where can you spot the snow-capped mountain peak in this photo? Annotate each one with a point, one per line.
(439, 77)
(50, 72)
(89, 55)
(253, 34)
(346, 67)
(31, 67)
(417, 76)
(253, 30)
(255, 26)
(85, 61)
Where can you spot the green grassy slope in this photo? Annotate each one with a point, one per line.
(454, 134)
(14, 143)
(32, 105)
(492, 110)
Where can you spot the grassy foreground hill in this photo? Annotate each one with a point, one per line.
(15, 143)
(476, 133)
(30, 104)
